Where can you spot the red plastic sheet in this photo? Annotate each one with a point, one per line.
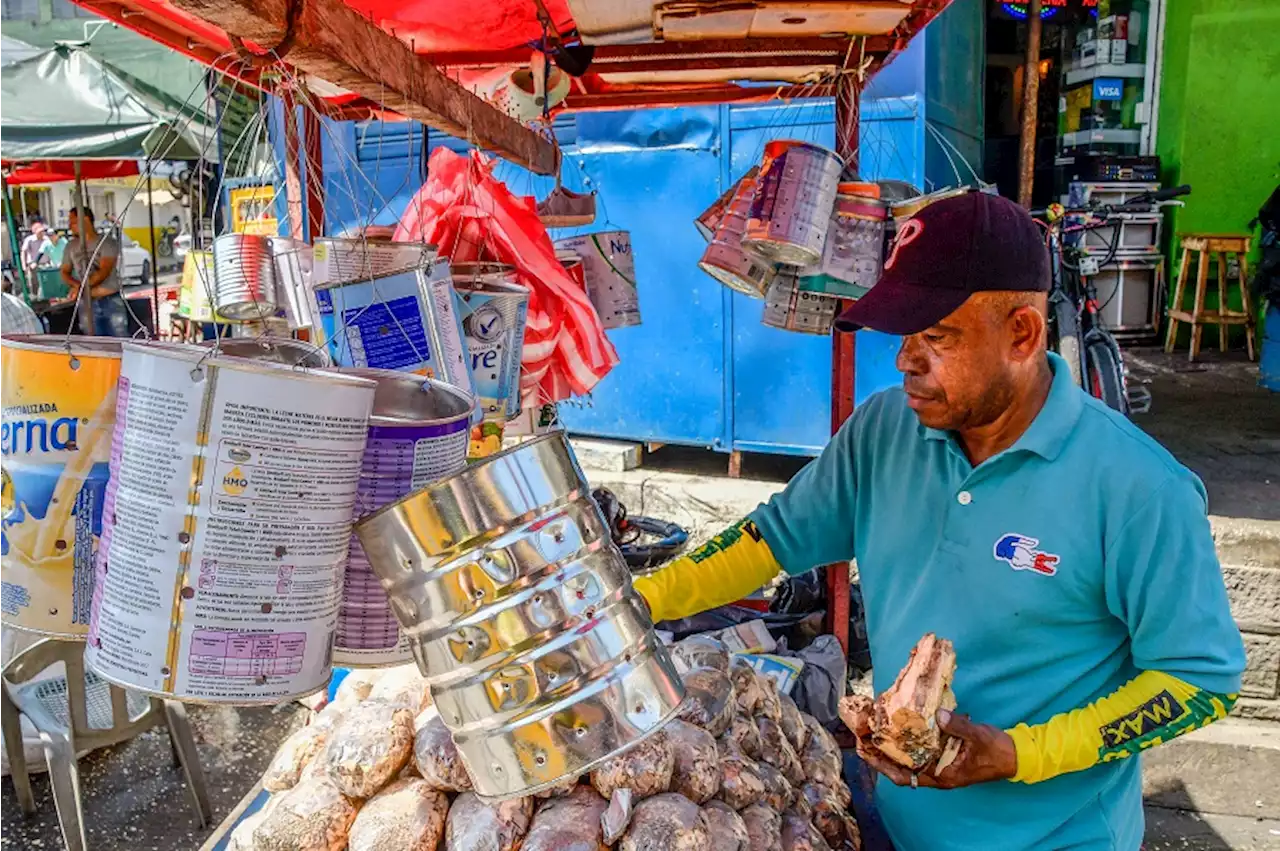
(56, 171)
(460, 25)
(470, 215)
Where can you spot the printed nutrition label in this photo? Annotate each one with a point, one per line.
(232, 505)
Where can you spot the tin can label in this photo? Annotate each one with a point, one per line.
(493, 324)
(404, 322)
(56, 439)
(228, 520)
(397, 461)
(609, 273)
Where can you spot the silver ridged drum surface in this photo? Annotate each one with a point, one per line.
(273, 349)
(243, 277)
(520, 611)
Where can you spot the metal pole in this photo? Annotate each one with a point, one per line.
(15, 245)
(1030, 105)
(85, 297)
(155, 274)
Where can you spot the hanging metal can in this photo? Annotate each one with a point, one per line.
(792, 204)
(226, 526)
(610, 273)
(708, 221)
(854, 249)
(59, 401)
(788, 308)
(292, 258)
(274, 349)
(338, 260)
(417, 435)
(404, 321)
(493, 309)
(244, 283)
(195, 296)
(539, 654)
(726, 259)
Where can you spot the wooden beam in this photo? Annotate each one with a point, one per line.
(333, 42)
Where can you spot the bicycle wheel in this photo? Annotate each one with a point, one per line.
(1106, 376)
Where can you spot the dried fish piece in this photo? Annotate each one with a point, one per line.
(776, 750)
(822, 758)
(570, 823)
(708, 700)
(744, 736)
(241, 838)
(697, 761)
(770, 702)
(293, 756)
(368, 747)
(403, 685)
(764, 826)
(799, 835)
(666, 822)
(748, 691)
(700, 651)
(740, 782)
(435, 754)
(725, 826)
(645, 769)
(831, 817)
(615, 820)
(312, 816)
(477, 825)
(408, 815)
(356, 686)
(903, 723)
(778, 791)
(793, 723)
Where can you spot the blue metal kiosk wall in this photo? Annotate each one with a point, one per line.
(701, 369)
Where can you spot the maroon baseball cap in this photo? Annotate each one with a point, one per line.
(943, 254)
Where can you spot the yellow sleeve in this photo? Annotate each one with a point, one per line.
(725, 569)
(1151, 708)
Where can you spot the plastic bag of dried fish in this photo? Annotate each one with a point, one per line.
(408, 815)
(368, 747)
(312, 816)
(292, 757)
(666, 822)
(476, 825)
(645, 769)
(568, 823)
(435, 754)
(697, 761)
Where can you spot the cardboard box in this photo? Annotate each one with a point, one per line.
(749, 637)
(783, 670)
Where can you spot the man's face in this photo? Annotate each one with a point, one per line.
(961, 372)
(73, 223)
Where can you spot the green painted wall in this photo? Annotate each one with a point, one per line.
(1219, 122)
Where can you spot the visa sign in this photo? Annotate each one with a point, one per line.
(1108, 88)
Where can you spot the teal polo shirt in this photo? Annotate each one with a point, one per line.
(1060, 568)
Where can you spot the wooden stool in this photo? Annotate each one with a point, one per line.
(1219, 246)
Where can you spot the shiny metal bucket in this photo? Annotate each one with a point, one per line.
(292, 258)
(520, 612)
(792, 206)
(244, 286)
(726, 259)
(273, 350)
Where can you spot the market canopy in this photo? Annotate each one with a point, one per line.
(65, 104)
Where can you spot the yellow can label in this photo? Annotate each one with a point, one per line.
(58, 416)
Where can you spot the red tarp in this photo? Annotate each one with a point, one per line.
(454, 25)
(56, 171)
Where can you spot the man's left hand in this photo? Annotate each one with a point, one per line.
(986, 753)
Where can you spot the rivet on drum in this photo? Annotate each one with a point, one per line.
(164, 672)
(261, 679)
(59, 544)
(184, 538)
(188, 592)
(74, 363)
(53, 612)
(280, 551)
(266, 608)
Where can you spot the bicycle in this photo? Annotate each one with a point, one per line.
(1076, 329)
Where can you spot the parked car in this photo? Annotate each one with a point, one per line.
(135, 261)
(181, 245)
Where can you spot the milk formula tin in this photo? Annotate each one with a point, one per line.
(226, 526)
(404, 321)
(493, 309)
(610, 273)
(417, 435)
(59, 409)
(337, 260)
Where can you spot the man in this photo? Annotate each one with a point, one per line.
(33, 251)
(101, 254)
(994, 503)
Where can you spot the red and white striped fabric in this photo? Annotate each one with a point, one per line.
(470, 215)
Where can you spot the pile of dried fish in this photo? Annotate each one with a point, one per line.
(742, 769)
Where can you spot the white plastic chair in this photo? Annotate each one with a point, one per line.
(78, 713)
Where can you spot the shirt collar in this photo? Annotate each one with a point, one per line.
(1049, 430)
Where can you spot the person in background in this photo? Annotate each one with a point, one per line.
(991, 501)
(101, 253)
(33, 251)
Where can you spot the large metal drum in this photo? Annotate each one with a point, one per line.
(792, 205)
(493, 308)
(540, 656)
(726, 259)
(405, 321)
(226, 526)
(610, 274)
(417, 435)
(854, 249)
(244, 273)
(789, 308)
(273, 349)
(337, 260)
(59, 401)
(292, 258)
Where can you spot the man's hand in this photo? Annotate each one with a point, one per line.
(986, 753)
